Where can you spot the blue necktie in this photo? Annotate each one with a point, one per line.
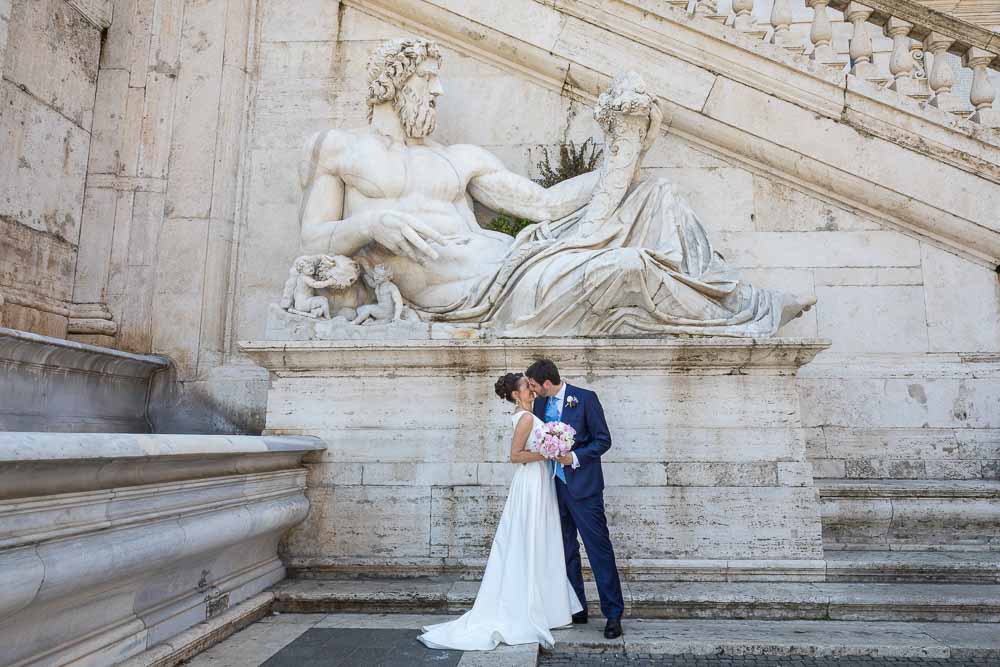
(552, 415)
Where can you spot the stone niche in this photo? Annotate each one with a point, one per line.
(707, 476)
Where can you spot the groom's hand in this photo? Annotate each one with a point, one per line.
(566, 460)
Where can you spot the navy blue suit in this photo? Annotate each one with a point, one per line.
(581, 500)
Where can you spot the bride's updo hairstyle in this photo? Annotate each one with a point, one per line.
(507, 385)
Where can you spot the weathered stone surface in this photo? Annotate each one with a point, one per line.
(127, 567)
(53, 385)
(687, 477)
(894, 316)
(42, 186)
(373, 521)
(713, 522)
(963, 304)
(779, 207)
(60, 70)
(909, 514)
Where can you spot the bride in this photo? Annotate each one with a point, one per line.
(525, 591)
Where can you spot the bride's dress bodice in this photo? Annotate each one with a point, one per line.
(532, 444)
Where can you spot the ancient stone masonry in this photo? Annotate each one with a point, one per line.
(223, 218)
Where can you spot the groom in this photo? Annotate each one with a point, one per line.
(580, 488)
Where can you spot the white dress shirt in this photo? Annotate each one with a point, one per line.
(560, 402)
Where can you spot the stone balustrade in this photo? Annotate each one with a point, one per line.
(111, 544)
(917, 68)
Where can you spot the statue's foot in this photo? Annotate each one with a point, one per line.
(794, 305)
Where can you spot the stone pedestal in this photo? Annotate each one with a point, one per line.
(707, 475)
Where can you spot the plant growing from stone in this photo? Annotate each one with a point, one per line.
(573, 161)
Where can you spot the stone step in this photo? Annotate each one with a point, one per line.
(652, 638)
(909, 488)
(965, 603)
(910, 514)
(954, 567)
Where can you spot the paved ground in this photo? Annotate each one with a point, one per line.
(389, 640)
(619, 660)
(348, 640)
(344, 647)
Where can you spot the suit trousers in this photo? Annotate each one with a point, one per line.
(586, 516)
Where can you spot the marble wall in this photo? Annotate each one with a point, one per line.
(190, 205)
(894, 304)
(48, 74)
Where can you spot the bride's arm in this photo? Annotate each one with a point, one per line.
(518, 454)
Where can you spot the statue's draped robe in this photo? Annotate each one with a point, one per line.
(648, 269)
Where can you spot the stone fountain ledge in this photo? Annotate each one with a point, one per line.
(111, 544)
(50, 384)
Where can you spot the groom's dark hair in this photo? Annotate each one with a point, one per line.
(542, 370)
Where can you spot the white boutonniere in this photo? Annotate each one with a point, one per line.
(571, 401)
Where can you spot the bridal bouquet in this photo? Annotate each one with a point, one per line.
(554, 439)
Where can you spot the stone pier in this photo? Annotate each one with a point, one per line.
(707, 476)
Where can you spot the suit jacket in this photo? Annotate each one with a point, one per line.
(592, 439)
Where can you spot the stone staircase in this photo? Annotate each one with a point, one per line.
(863, 601)
(912, 515)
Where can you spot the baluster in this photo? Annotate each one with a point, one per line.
(781, 19)
(744, 15)
(982, 93)
(901, 62)
(941, 78)
(821, 32)
(861, 49)
(745, 22)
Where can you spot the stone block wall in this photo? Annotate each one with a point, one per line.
(48, 74)
(910, 387)
(189, 212)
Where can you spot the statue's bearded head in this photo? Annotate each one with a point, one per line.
(405, 73)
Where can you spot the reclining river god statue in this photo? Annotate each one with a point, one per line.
(610, 254)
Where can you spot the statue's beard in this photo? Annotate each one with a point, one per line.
(417, 115)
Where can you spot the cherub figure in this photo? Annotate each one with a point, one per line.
(389, 302)
(313, 272)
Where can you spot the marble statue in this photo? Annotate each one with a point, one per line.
(611, 253)
(388, 306)
(310, 273)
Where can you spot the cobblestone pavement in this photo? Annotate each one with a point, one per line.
(620, 660)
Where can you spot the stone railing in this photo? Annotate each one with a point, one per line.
(916, 68)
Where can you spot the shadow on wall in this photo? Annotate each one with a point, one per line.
(232, 400)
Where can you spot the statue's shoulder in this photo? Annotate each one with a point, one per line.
(336, 149)
(476, 158)
(336, 140)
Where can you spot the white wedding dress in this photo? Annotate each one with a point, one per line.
(525, 591)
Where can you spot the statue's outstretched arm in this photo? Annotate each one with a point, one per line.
(502, 190)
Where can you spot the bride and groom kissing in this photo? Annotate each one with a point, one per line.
(533, 580)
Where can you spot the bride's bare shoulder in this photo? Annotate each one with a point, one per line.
(523, 417)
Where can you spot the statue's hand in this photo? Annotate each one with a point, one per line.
(406, 235)
(653, 130)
